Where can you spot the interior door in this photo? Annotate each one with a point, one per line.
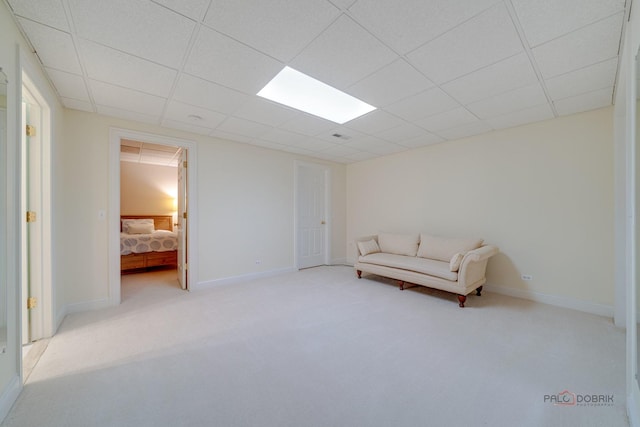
(182, 229)
(312, 224)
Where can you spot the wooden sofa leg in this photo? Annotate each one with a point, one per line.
(401, 285)
(359, 274)
(462, 299)
(478, 291)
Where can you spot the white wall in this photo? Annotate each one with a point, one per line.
(543, 193)
(245, 203)
(12, 42)
(147, 189)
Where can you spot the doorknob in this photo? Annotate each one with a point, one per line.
(322, 222)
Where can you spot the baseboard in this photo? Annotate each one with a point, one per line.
(9, 396)
(241, 278)
(339, 261)
(59, 318)
(565, 302)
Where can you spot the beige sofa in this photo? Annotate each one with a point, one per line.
(452, 265)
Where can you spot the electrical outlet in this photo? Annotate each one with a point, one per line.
(258, 262)
(526, 277)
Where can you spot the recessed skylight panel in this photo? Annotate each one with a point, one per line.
(297, 90)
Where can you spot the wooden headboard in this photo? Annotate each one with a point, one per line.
(161, 222)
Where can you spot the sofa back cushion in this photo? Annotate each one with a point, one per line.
(443, 249)
(399, 244)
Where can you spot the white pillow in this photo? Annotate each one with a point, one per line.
(456, 260)
(399, 244)
(442, 248)
(368, 247)
(140, 228)
(127, 222)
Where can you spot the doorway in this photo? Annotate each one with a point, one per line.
(186, 203)
(313, 219)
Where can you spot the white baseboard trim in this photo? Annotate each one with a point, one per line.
(241, 278)
(61, 315)
(9, 396)
(560, 301)
(339, 261)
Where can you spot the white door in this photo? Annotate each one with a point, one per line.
(182, 220)
(312, 223)
(31, 223)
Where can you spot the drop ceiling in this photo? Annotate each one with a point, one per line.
(436, 70)
(147, 153)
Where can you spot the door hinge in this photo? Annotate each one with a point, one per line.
(184, 215)
(30, 130)
(31, 216)
(184, 164)
(31, 303)
(186, 266)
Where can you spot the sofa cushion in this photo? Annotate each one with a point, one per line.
(456, 260)
(368, 247)
(419, 265)
(399, 244)
(442, 248)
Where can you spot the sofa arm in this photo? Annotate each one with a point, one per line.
(474, 265)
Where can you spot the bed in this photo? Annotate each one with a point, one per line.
(147, 241)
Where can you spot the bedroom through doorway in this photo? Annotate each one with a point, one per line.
(153, 209)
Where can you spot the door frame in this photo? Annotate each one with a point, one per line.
(327, 209)
(115, 135)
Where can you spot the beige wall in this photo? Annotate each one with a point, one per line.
(543, 193)
(147, 189)
(245, 205)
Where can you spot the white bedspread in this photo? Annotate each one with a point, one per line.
(158, 241)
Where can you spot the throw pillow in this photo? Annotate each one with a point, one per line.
(140, 228)
(368, 247)
(399, 244)
(456, 260)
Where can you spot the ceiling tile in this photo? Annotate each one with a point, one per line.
(465, 130)
(401, 133)
(111, 66)
(343, 4)
(193, 115)
(108, 95)
(194, 9)
(361, 156)
(69, 85)
(374, 122)
(280, 29)
(587, 101)
(243, 127)
(75, 104)
(544, 20)
(260, 110)
(136, 27)
(54, 48)
(372, 144)
(269, 144)
(49, 12)
(588, 45)
(343, 54)
(195, 91)
(245, 69)
(339, 150)
(391, 83)
(529, 115)
(422, 141)
(460, 51)
(187, 127)
(586, 79)
(314, 144)
(128, 115)
(347, 135)
(282, 137)
(427, 103)
(503, 76)
(514, 100)
(408, 24)
(307, 124)
(447, 120)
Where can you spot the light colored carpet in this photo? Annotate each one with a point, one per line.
(321, 348)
